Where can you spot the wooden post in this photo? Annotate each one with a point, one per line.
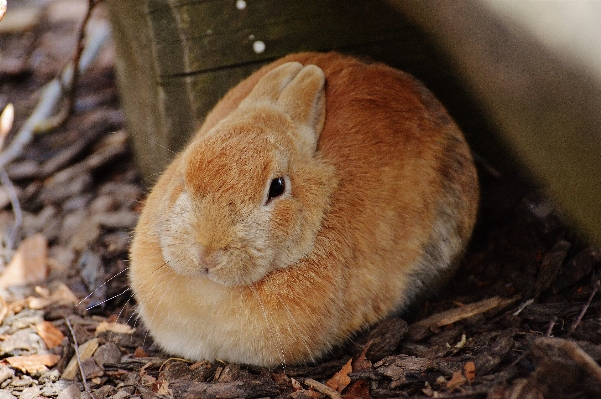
(176, 59)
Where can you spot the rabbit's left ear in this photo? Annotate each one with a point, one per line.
(303, 99)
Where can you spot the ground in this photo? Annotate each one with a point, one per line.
(515, 321)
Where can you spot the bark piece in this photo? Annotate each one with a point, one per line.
(550, 267)
(419, 330)
(186, 389)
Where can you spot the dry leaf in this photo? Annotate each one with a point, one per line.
(51, 335)
(33, 364)
(340, 380)
(28, 264)
(118, 328)
(140, 352)
(456, 381)
(62, 295)
(469, 369)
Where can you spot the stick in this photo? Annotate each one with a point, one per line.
(321, 388)
(585, 307)
(83, 376)
(52, 93)
(69, 87)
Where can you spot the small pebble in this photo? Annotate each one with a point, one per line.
(107, 353)
(30, 393)
(72, 392)
(240, 4)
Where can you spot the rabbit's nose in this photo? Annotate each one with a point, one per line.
(207, 259)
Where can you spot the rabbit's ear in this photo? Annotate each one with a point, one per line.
(303, 99)
(270, 86)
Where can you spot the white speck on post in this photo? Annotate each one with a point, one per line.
(251, 37)
(240, 4)
(258, 47)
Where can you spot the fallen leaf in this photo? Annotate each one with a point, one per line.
(140, 352)
(28, 264)
(33, 364)
(62, 295)
(51, 335)
(469, 370)
(456, 381)
(340, 380)
(118, 328)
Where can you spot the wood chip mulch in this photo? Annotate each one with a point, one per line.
(519, 320)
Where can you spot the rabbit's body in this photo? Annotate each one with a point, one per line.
(375, 209)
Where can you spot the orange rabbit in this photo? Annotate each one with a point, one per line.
(321, 195)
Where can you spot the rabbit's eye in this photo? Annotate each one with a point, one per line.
(276, 188)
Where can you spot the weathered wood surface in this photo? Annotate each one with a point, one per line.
(539, 82)
(177, 59)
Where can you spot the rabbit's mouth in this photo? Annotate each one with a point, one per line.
(236, 269)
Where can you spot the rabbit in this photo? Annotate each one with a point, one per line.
(320, 196)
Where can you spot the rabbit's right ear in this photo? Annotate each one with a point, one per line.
(303, 99)
(298, 92)
(270, 86)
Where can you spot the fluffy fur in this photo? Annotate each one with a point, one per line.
(380, 201)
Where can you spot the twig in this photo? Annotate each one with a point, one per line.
(69, 88)
(83, 376)
(523, 306)
(321, 388)
(585, 307)
(551, 325)
(52, 93)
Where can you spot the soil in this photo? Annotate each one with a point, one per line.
(519, 320)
